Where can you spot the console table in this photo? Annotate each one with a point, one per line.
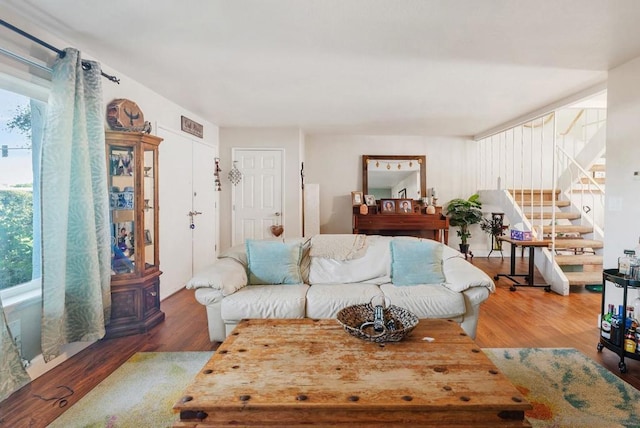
(431, 226)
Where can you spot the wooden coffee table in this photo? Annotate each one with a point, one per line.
(311, 372)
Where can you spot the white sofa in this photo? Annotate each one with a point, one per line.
(338, 271)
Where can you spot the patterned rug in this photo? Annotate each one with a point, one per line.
(566, 389)
(140, 393)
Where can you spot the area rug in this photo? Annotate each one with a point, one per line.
(140, 393)
(568, 389)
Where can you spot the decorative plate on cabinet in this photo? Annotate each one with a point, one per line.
(125, 115)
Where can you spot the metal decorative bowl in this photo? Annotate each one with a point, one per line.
(376, 323)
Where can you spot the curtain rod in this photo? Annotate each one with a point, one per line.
(20, 58)
(60, 53)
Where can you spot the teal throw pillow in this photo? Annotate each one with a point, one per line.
(416, 262)
(273, 262)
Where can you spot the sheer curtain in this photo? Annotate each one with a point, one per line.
(12, 375)
(76, 300)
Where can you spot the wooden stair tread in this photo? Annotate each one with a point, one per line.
(578, 243)
(567, 228)
(587, 189)
(598, 167)
(536, 195)
(584, 278)
(528, 191)
(599, 180)
(536, 215)
(527, 203)
(580, 259)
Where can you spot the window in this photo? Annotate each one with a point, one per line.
(21, 120)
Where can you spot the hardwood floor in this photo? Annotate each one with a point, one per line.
(184, 329)
(528, 317)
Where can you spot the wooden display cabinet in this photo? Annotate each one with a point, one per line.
(132, 169)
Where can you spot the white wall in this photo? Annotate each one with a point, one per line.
(622, 219)
(289, 139)
(622, 201)
(335, 163)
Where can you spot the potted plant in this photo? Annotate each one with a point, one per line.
(495, 228)
(463, 213)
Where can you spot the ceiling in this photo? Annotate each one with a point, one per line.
(403, 67)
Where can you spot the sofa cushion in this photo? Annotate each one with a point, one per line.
(239, 253)
(226, 275)
(476, 295)
(416, 262)
(426, 300)
(372, 267)
(325, 300)
(208, 296)
(273, 262)
(265, 301)
(462, 275)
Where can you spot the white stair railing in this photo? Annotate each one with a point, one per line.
(533, 156)
(589, 198)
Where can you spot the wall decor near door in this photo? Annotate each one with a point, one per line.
(235, 175)
(192, 127)
(216, 174)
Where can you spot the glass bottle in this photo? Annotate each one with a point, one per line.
(630, 343)
(605, 330)
(629, 318)
(624, 262)
(634, 267)
(617, 328)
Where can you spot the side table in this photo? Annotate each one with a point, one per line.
(528, 277)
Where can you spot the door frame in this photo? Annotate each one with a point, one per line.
(283, 198)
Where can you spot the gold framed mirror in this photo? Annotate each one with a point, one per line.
(390, 176)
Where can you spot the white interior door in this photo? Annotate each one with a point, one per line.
(257, 199)
(205, 201)
(186, 185)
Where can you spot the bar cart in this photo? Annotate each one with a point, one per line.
(616, 341)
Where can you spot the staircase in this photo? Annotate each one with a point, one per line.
(561, 150)
(574, 250)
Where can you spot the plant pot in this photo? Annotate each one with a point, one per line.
(464, 248)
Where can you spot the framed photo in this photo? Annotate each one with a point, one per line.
(123, 239)
(370, 200)
(402, 193)
(147, 237)
(356, 198)
(387, 206)
(405, 206)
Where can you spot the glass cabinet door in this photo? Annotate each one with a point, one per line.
(123, 208)
(149, 197)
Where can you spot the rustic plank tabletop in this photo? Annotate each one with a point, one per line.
(312, 372)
